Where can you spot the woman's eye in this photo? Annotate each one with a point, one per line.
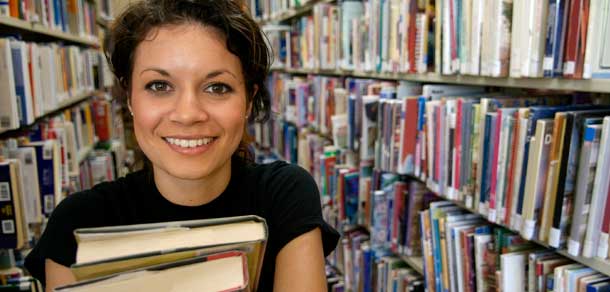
(158, 86)
(218, 88)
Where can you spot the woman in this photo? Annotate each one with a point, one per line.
(194, 75)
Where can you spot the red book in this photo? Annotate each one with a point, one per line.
(571, 42)
(412, 31)
(437, 146)
(32, 87)
(581, 45)
(457, 159)
(409, 135)
(101, 112)
(606, 220)
(511, 171)
(400, 188)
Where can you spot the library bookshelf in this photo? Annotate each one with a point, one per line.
(315, 53)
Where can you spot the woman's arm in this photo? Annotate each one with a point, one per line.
(57, 275)
(299, 265)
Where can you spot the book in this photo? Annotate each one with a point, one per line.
(211, 272)
(104, 251)
(13, 233)
(9, 115)
(601, 187)
(584, 188)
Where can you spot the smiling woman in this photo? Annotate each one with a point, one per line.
(194, 74)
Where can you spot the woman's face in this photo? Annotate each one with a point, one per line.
(188, 99)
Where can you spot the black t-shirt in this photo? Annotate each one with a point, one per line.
(284, 194)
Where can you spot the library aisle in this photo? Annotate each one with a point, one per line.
(459, 145)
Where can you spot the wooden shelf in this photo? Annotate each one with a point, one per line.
(584, 85)
(23, 26)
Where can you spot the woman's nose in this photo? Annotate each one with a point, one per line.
(188, 109)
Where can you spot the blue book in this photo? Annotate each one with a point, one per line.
(488, 147)
(351, 193)
(599, 287)
(351, 122)
(367, 272)
(47, 174)
(8, 217)
(555, 38)
(20, 86)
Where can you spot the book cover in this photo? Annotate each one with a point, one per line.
(226, 271)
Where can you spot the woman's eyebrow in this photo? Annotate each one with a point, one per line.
(219, 72)
(158, 70)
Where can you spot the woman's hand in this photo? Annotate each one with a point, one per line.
(57, 275)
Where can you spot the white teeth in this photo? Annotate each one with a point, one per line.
(191, 143)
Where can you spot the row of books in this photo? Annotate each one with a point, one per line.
(498, 38)
(470, 145)
(368, 269)
(37, 78)
(14, 279)
(76, 17)
(461, 251)
(55, 159)
(267, 9)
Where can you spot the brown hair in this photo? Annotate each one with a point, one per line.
(244, 39)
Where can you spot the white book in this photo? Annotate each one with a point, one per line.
(595, 12)
(30, 187)
(521, 18)
(600, 195)
(513, 271)
(9, 117)
(584, 187)
(446, 34)
(465, 36)
(600, 56)
(350, 10)
(533, 64)
(49, 84)
(475, 36)
(36, 60)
